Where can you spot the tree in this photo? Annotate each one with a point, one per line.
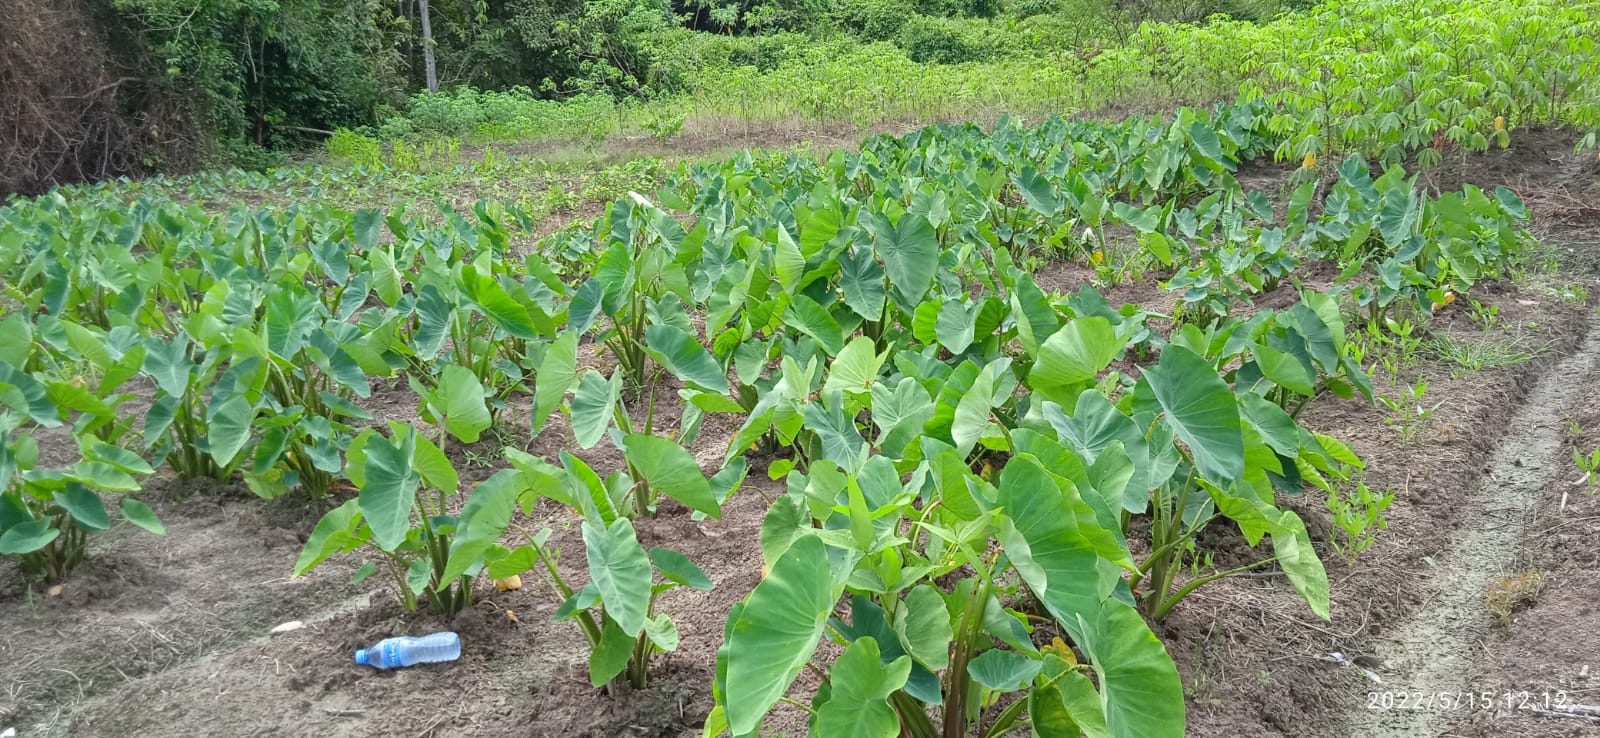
(427, 47)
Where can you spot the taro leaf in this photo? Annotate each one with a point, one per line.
(36, 534)
(1206, 142)
(610, 656)
(86, 507)
(1276, 427)
(841, 441)
(119, 457)
(1199, 407)
(924, 627)
(955, 326)
(1285, 369)
(228, 428)
(867, 621)
(586, 304)
(486, 293)
(1074, 355)
(620, 570)
(1036, 319)
(775, 632)
(520, 560)
(672, 471)
(784, 522)
(860, 685)
(431, 462)
(682, 354)
(140, 514)
(366, 227)
(1292, 545)
(1002, 670)
(1511, 202)
(16, 339)
(856, 368)
(1055, 559)
(20, 390)
(461, 400)
(433, 322)
(662, 632)
(104, 476)
(677, 568)
(333, 533)
(593, 405)
(861, 279)
(1066, 705)
(389, 489)
(972, 412)
(1038, 192)
(910, 252)
(484, 518)
(557, 374)
(1139, 685)
(419, 575)
(788, 264)
(812, 319)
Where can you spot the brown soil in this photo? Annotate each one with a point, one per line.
(170, 636)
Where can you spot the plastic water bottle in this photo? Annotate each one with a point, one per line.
(391, 653)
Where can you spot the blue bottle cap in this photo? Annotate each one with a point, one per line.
(361, 656)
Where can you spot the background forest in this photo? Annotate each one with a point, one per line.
(97, 88)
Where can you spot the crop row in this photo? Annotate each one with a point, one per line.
(1004, 484)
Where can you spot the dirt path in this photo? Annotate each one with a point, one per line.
(1428, 662)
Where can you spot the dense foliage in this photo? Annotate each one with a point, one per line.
(1003, 483)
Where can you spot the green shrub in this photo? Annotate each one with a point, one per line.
(930, 40)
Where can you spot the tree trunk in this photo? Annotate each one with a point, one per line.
(427, 47)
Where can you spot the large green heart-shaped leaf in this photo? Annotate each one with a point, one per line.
(332, 534)
(389, 488)
(1003, 671)
(924, 627)
(29, 537)
(462, 401)
(1194, 400)
(86, 507)
(1139, 685)
(487, 294)
(856, 367)
(620, 570)
(775, 633)
(557, 374)
(1292, 545)
(812, 319)
(672, 471)
(910, 253)
(593, 406)
(861, 280)
(858, 700)
(140, 514)
(681, 354)
(1074, 355)
(228, 428)
(484, 518)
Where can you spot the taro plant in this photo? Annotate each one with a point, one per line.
(617, 610)
(938, 635)
(412, 517)
(47, 515)
(639, 275)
